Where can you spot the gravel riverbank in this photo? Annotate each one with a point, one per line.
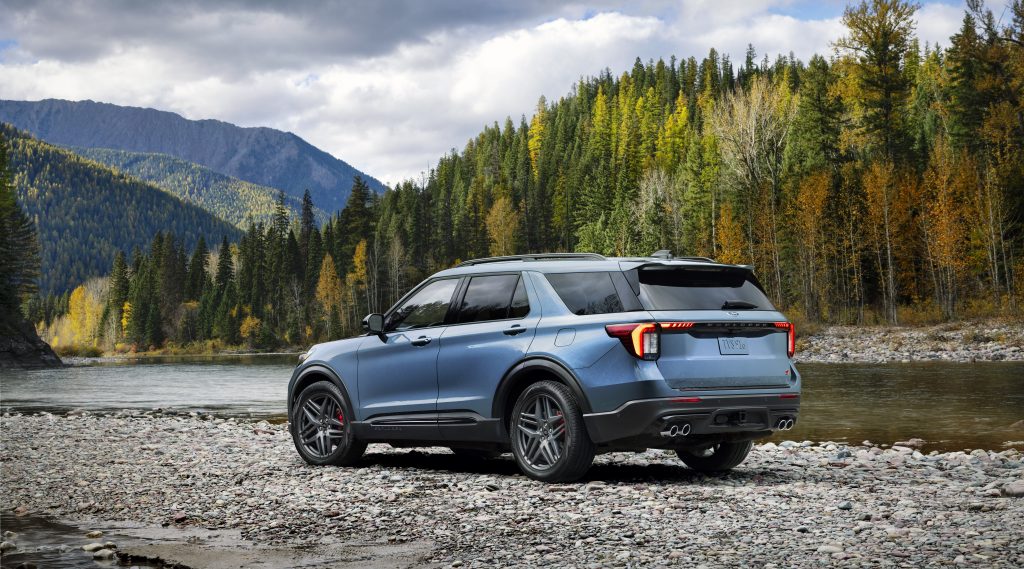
(957, 342)
(795, 504)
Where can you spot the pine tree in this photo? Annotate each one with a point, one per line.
(197, 277)
(19, 248)
(879, 37)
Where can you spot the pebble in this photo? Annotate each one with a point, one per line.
(945, 342)
(777, 509)
(90, 547)
(94, 534)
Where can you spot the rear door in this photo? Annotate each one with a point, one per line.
(718, 327)
(491, 331)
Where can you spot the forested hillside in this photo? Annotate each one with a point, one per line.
(85, 212)
(884, 184)
(228, 198)
(262, 156)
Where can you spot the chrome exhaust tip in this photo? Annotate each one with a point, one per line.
(789, 424)
(676, 431)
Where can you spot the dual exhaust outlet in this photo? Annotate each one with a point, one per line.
(784, 424)
(674, 431)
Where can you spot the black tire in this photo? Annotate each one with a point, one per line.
(559, 448)
(474, 453)
(718, 458)
(320, 427)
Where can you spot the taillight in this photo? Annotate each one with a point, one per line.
(790, 336)
(642, 340)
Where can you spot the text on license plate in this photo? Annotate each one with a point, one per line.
(728, 346)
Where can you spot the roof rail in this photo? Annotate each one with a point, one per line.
(535, 257)
(709, 260)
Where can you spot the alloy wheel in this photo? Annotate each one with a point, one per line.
(541, 432)
(321, 425)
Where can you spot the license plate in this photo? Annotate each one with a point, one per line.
(733, 346)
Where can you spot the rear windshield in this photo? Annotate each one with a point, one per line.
(694, 288)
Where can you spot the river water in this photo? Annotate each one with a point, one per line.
(953, 406)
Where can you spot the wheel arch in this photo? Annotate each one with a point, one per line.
(526, 373)
(310, 375)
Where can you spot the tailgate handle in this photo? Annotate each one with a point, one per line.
(515, 329)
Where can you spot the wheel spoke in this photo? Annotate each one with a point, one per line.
(311, 410)
(559, 430)
(549, 456)
(533, 451)
(529, 432)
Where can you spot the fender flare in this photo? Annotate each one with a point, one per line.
(301, 378)
(532, 365)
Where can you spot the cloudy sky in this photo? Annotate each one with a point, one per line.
(386, 85)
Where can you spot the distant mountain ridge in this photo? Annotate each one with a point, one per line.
(85, 212)
(259, 155)
(226, 197)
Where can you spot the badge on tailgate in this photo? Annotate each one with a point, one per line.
(732, 346)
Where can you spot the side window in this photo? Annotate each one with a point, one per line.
(586, 293)
(426, 308)
(520, 303)
(488, 297)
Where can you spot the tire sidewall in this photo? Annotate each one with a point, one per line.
(578, 447)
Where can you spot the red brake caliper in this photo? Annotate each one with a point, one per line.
(341, 417)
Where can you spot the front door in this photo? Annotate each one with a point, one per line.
(399, 376)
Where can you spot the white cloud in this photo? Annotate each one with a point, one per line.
(392, 110)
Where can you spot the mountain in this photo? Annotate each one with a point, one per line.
(228, 198)
(263, 156)
(85, 212)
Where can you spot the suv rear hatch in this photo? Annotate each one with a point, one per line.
(718, 328)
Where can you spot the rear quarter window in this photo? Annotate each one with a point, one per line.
(587, 293)
(701, 288)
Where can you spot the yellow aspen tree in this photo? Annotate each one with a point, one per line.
(808, 218)
(945, 224)
(328, 290)
(880, 187)
(502, 222)
(731, 244)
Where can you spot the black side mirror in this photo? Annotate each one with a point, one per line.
(374, 324)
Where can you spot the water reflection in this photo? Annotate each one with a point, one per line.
(952, 405)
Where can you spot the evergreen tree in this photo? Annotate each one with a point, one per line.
(19, 249)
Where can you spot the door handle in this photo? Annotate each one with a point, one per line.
(515, 329)
(421, 341)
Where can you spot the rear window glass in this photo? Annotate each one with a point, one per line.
(586, 293)
(491, 298)
(701, 289)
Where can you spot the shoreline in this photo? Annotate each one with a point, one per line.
(964, 342)
(790, 503)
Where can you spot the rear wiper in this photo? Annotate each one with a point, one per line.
(738, 304)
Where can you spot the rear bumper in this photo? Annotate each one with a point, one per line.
(649, 422)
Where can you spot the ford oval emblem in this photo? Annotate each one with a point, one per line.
(734, 314)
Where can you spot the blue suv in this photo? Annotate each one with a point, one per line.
(557, 357)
